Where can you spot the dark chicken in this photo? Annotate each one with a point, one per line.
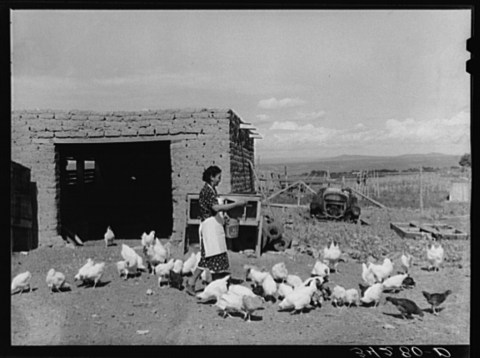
(405, 306)
(436, 299)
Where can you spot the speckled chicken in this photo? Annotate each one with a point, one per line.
(435, 256)
(406, 307)
(250, 305)
(436, 299)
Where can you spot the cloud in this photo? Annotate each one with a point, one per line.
(262, 117)
(309, 115)
(273, 103)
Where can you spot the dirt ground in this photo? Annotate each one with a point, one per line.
(119, 312)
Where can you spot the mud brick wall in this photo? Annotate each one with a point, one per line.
(198, 138)
(241, 155)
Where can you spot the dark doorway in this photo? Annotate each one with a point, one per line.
(126, 186)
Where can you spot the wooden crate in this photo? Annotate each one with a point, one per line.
(406, 230)
(416, 230)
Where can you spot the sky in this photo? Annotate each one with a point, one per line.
(315, 83)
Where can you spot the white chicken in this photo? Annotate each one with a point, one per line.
(198, 257)
(382, 271)
(294, 281)
(56, 280)
(125, 269)
(82, 271)
(214, 289)
(163, 271)
(189, 264)
(435, 256)
(279, 272)
(109, 236)
(320, 269)
(228, 302)
(241, 290)
(338, 295)
(367, 274)
(129, 255)
(299, 298)
(92, 273)
(373, 294)
(352, 297)
(394, 281)
(206, 276)
(255, 275)
(284, 290)
(269, 287)
(148, 239)
(331, 255)
(176, 278)
(21, 282)
(406, 261)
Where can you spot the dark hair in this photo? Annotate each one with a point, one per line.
(210, 172)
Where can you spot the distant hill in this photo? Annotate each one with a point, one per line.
(347, 163)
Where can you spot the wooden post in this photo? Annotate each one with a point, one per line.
(421, 191)
(286, 176)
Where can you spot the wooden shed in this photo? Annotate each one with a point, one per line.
(460, 191)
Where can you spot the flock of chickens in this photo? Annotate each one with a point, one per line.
(293, 293)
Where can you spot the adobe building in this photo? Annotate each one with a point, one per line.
(129, 170)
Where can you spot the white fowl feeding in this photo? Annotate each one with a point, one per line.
(155, 254)
(126, 269)
(214, 290)
(269, 288)
(373, 294)
(299, 298)
(352, 297)
(132, 257)
(394, 282)
(254, 275)
(435, 256)
(228, 302)
(109, 236)
(21, 282)
(382, 271)
(91, 273)
(56, 281)
(163, 271)
(250, 305)
(320, 269)
(294, 281)
(284, 290)
(241, 290)
(189, 264)
(406, 261)
(279, 272)
(338, 296)
(332, 255)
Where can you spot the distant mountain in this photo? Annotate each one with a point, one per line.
(347, 163)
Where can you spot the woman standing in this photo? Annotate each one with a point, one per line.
(213, 247)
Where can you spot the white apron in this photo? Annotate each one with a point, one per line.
(212, 234)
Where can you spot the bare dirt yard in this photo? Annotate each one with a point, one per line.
(119, 312)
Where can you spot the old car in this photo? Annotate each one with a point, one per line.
(335, 204)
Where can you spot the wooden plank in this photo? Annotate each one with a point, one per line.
(278, 205)
(368, 198)
(156, 138)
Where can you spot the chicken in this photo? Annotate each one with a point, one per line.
(363, 288)
(435, 256)
(253, 274)
(129, 255)
(228, 302)
(373, 294)
(279, 272)
(175, 275)
(352, 297)
(189, 264)
(317, 299)
(299, 298)
(331, 255)
(269, 288)
(294, 281)
(405, 306)
(338, 295)
(241, 290)
(250, 305)
(148, 239)
(394, 282)
(214, 289)
(382, 271)
(155, 254)
(56, 281)
(84, 269)
(367, 275)
(320, 269)
(408, 282)
(406, 260)
(436, 299)
(92, 273)
(109, 236)
(21, 282)
(206, 276)
(198, 257)
(284, 290)
(163, 271)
